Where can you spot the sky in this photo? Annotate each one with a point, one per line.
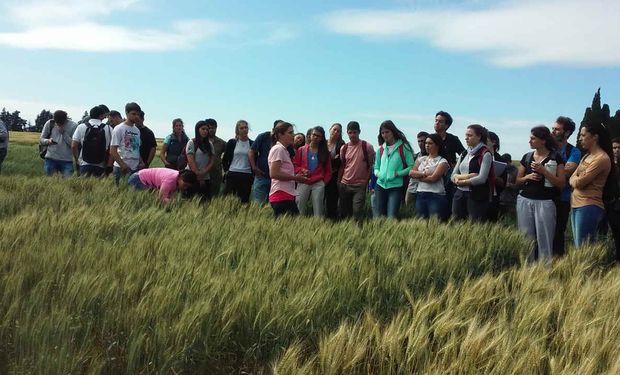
(508, 65)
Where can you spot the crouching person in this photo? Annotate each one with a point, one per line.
(166, 180)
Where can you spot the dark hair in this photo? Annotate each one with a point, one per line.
(389, 125)
(445, 115)
(308, 133)
(324, 155)
(115, 114)
(567, 124)
(142, 115)
(480, 131)
(96, 112)
(275, 123)
(507, 158)
(202, 143)
(304, 135)
(615, 140)
(436, 138)
(104, 108)
(495, 139)
(543, 132)
(190, 178)
(176, 120)
(60, 117)
(610, 190)
(279, 129)
(354, 125)
(132, 107)
(422, 134)
(211, 123)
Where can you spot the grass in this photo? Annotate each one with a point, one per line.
(99, 279)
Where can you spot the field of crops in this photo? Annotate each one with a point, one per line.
(100, 279)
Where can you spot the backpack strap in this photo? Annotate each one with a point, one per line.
(401, 151)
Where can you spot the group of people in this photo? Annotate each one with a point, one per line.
(292, 171)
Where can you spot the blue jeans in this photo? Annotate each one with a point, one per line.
(134, 180)
(431, 204)
(388, 201)
(118, 173)
(584, 221)
(52, 166)
(261, 188)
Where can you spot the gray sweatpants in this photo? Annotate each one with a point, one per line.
(537, 219)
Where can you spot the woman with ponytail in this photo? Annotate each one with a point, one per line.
(200, 158)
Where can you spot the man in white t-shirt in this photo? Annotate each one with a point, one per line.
(125, 144)
(91, 143)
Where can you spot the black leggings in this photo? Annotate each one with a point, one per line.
(284, 207)
(239, 184)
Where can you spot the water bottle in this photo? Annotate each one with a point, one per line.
(552, 167)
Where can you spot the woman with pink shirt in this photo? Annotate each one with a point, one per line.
(314, 160)
(282, 193)
(166, 180)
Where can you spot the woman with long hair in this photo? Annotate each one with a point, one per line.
(393, 164)
(200, 158)
(541, 176)
(592, 176)
(282, 193)
(334, 143)
(171, 153)
(236, 163)
(429, 170)
(473, 176)
(314, 161)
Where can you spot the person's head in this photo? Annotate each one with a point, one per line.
(201, 134)
(421, 138)
(335, 132)
(187, 181)
(433, 145)
(132, 112)
(507, 158)
(105, 110)
(308, 134)
(60, 117)
(493, 142)
(177, 126)
(212, 125)
(353, 131)
(300, 139)
(317, 138)
(563, 129)
(443, 121)
(140, 119)
(242, 128)
(97, 113)
(615, 144)
(283, 133)
(115, 118)
(593, 134)
(475, 134)
(389, 133)
(541, 137)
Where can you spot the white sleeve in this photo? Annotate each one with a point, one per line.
(116, 137)
(78, 135)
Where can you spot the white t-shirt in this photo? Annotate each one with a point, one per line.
(127, 138)
(241, 162)
(80, 132)
(429, 165)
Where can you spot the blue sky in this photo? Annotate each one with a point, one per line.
(508, 65)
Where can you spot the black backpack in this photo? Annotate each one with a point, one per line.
(94, 144)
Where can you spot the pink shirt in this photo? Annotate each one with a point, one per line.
(356, 170)
(279, 153)
(164, 179)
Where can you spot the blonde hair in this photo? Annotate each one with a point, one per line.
(239, 123)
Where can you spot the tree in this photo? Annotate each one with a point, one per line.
(42, 118)
(601, 115)
(12, 120)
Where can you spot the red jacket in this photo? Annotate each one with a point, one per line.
(323, 171)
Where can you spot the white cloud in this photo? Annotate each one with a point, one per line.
(280, 34)
(511, 34)
(48, 11)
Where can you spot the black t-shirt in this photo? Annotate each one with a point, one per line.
(454, 148)
(147, 142)
(537, 189)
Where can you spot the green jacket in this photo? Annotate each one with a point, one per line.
(389, 163)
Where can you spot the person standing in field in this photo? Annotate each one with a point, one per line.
(592, 176)
(473, 177)
(453, 146)
(219, 146)
(200, 159)
(541, 175)
(314, 161)
(282, 192)
(91, 144)
(562, 130)
(429, 170)
(236, 163)
(4, 143)
(57, 136)
(258, 155)
(148, 143)
(613, 208)
(166, 180)
(391, 167)
(500, 180)
(508, 196)
(171, 153)
(125, 144)
(334, 144)
(412, 188)
(357, 158)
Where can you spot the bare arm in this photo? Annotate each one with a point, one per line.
(162, 154)
(437, 175)
(275, 171)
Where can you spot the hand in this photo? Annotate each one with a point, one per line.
(257, 172)
(533, 177)
(51, 141)
(538, 168)
(301, 178)
(167, 164)
(305, 172)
